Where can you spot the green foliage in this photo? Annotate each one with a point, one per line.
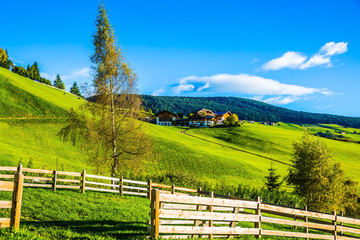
(272, 180)
(58, 82)
(232, 119)
(316, 178)
(75, 90)
(34, 72)
(4, 59)
(245, 108)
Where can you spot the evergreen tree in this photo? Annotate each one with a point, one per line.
(75, 90)
(4, 59)
(34, 71)
(272, 180)
(58, 82)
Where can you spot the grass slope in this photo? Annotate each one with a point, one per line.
(276, 142)
(18, 103)
(52, 95)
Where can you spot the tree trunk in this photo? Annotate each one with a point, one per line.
(115, 157)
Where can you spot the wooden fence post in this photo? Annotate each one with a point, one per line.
(199, 191)
(341, 224)
(258, 212)
(295, 216)
(83, 181)
(335, 225)
(149, 188)
(155, 205)
(121, 185)
(54, 180)
(16, 199)
(228, 195)
(173, 189)
(211, 209)
(306, 220)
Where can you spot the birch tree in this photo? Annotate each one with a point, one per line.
(113, 134)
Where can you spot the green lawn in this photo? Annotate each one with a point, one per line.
(276, 142)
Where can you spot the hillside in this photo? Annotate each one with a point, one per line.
(245, 108)
(24, 98)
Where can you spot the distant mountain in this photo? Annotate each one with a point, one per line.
(245, 108)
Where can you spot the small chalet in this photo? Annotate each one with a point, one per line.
(221, 116)
(165, 118)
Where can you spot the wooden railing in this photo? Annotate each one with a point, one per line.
(16, 187)
(83, 181)
(180, 216)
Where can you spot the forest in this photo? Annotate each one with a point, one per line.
(246, 109)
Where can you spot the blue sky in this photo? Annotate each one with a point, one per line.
(303, 55)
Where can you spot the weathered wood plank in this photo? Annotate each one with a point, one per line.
(38, 178)
(68, 180)
(161, 185)
(67, 186)
(348, 229)
(38, 185)
(10, 169)
(216, 216)
(176, 198)
(7, 176)
(296, 234)
(6, 186)
(186, 189)
(189, 236)
(348, 220)
(5, 204)
(73, 174)
(136, 188)
(346, 238)
(134, 182)
(102, 184)
(101, 189)
(37, 170)
(294, 211)
(208, 230)
(297, 223)
(4, 222)
(135, 193)
(101, 177)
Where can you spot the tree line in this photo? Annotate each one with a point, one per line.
(33, 72)
(246, 109)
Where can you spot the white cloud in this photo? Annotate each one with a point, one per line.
(84, 72)
(332, 48)
(207, 85)
(183, 87)
(47, 76)
(158, 92)
(288, 60)
(278, 92)
(296, 60)
(316, 60)
(281, 100)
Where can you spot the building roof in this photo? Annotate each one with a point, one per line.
(222, 113)
(167, 112)
(209, 116)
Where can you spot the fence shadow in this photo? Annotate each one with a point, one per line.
(116, 229)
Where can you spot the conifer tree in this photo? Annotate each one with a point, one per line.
(58, 82)
(34, 71)
(75, 90)
(272, 180)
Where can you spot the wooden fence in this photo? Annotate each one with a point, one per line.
(83, 181)
(180, 216)
(16, 187)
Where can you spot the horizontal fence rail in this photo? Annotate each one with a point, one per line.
(179, 216)
(52, 179)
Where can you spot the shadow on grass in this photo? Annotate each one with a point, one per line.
(116, 229)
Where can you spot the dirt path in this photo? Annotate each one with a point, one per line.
(237, 149)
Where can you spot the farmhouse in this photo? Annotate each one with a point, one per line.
(221, 116)
(165, 118)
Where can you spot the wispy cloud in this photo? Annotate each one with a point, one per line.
(296, 60)
(158, 92)
(277, 92)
